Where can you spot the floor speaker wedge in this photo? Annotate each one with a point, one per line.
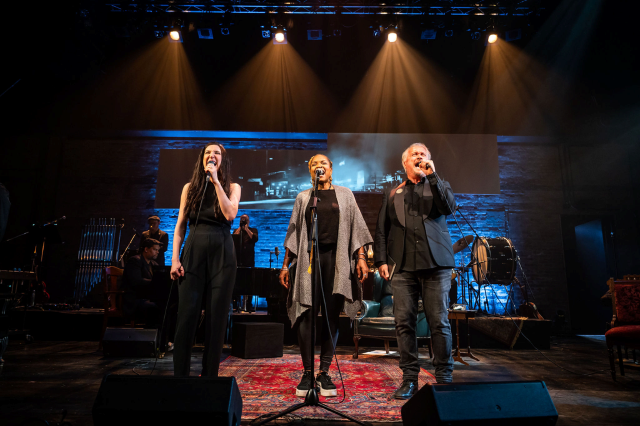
(167, 400)
(129, 342)
(480, 404)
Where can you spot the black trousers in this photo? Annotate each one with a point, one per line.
(210, 273)
(335, 303)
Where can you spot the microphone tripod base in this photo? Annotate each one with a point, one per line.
(311, 400)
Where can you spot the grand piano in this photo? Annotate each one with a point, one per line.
(261, 282)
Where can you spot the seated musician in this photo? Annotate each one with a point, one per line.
(246, 249)
(136, 283)
(156, 233)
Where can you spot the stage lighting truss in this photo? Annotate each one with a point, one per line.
(331, 7)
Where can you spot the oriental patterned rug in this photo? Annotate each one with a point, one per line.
(268, 386)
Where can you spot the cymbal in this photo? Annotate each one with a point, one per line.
(463, 242)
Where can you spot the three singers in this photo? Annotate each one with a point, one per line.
(413, 250)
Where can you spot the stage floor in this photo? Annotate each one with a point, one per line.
(41, 379)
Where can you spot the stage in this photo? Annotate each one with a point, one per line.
(41, 379)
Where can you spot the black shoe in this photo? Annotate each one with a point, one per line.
(406, 390)
(305, 384)
(327, 388)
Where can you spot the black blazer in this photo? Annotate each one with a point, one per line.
(389, 238)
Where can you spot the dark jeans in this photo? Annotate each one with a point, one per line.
(210, 273)
(433, 285)
(335, 303)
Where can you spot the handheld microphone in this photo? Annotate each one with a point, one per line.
(208, 172)
(428, 166)
(319, 171)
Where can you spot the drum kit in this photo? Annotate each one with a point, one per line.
(493, 261)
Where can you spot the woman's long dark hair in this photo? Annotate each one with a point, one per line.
(196, 187)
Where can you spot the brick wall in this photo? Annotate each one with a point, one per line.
(116, 178)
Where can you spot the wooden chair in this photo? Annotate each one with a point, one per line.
(112, 283)
(625, 324)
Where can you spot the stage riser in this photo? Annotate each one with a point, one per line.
(51, 325)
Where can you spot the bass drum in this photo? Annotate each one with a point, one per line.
(496, 261)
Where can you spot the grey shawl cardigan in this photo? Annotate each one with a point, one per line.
(352, 234)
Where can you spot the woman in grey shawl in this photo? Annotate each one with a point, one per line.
(342, 234)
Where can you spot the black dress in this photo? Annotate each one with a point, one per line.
(209, 263)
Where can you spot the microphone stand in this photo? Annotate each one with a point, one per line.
(312, 399)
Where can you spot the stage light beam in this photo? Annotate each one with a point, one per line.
(493, 37)
(175, 35)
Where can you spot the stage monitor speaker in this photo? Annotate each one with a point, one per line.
(130, 342)
(167, 400)
(480, 404)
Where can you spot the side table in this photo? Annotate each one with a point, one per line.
(462, 315)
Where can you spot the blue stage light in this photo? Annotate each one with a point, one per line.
(205, 33)
(266, 33)
(428, 34)
(314, 34)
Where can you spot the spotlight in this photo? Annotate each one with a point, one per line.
(493, 37)
(377, 33)
(475, 35)
(205, 33)
(158, 34)
(392, 36)
(266, 34)
(314, 34)
(175, 35)
(224, 30)
(279, 37)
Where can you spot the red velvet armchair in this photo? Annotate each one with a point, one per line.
(625, 325)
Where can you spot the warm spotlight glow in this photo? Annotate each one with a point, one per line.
(175, 35)
(492, 38)
(279, 36)
(392, 37)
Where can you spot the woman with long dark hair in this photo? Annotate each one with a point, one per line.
(207, 268)
(342, 235)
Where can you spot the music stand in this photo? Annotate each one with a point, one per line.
(312, 399)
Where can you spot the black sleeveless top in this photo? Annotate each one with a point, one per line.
(328, 216)
(208, 212)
